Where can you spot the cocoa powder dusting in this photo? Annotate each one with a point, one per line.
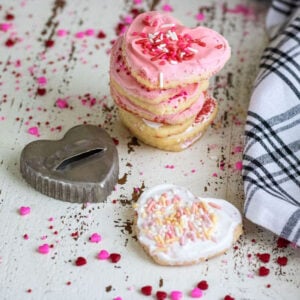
(123, 179)
(137, 192)
(133, 142)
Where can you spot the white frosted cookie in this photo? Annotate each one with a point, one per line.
(177, 228)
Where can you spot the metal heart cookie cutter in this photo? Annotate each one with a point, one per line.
(81, 167)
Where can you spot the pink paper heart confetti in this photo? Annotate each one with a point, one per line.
(176, 295)
(24, 210)
(103, 254)
(44, 249)
(196, 293)
(95, 238)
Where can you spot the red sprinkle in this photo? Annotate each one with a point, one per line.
(207, 107)
(264, 257)
(220, 46)
(115, 257)
(68, 282)
(263, 271)
(146, 290)
(165, 47)
(146, 21)
(200, 43)
(202, 285)
(80, 261)
(228, 297)
(29, 291)
(282, 260)
(268, 285)
(161, 295)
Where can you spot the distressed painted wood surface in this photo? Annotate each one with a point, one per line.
(54, 60)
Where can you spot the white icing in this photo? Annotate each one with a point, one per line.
(228, 217)
(189, 142)
(152, 124)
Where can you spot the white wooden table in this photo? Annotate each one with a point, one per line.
(73, 66)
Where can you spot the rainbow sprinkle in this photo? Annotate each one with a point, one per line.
(169, 219)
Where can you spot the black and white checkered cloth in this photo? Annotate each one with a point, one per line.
(271, 162)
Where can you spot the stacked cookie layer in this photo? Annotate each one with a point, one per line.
(159, 72)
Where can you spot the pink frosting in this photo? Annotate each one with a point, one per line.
(176, 118)
(121, 75)
(208, 51)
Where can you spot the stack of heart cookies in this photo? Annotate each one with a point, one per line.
(159, 74)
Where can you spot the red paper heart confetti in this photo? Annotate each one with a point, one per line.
(263, 271)
(202, 285)
(80, 261)
(264, 257)
(282, 243)
(282, 260)
(146, 290)
(161, 295)
(115, 257)
(9, 17)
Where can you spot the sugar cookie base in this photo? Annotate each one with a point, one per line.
(170, 142)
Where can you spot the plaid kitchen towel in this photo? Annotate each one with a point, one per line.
(271, 161)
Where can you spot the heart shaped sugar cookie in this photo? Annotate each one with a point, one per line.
(177, 228)
(162, 53)
(124, 83)
(81, 167)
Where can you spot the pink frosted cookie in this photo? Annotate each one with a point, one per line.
(172, 118)
(159, 101)
(150, 128)
(177, 228)
(162, 53)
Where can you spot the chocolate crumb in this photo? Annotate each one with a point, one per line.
(108, 289)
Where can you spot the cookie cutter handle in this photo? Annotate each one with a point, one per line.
(80, 157)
